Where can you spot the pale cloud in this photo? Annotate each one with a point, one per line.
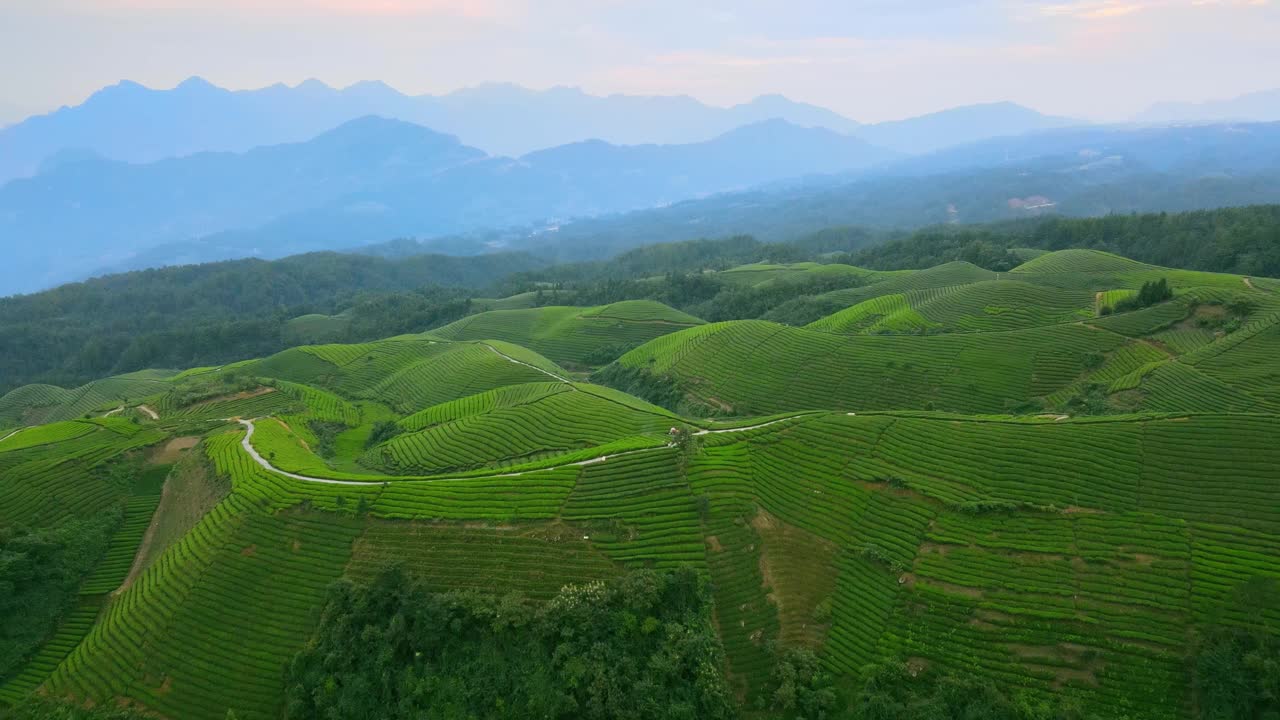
(475, 9)
(1107, 9)
(1090, 10)
(694, 58)
(869, 59)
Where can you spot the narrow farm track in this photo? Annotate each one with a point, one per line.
(266, 465)
(151, 413)
(521, 362)
(754, 427)
(15, 432)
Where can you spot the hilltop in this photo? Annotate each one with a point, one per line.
(1042, 336)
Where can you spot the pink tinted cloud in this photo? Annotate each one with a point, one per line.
(1109, 9)
(473, 9)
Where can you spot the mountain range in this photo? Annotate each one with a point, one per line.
(1260, 106)
(1084, 172)
(136, 178)
(133, 123)
(368, 180)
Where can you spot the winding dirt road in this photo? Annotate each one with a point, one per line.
(246, 443)
(521, 362)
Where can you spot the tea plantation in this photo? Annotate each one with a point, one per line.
(1010, 481)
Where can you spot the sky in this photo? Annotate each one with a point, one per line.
(870, 60)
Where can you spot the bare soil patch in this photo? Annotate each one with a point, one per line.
(1069, 663)
(173, 450)
(799, 568)
(243, 395)
(964, 590)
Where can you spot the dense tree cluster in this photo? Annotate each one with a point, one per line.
(1243, 240)
(37, 707)
(897, 691)
(640, 646)
(1236, 661)
(221, 312)
(40, 570)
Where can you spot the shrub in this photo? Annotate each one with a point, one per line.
(383, 430)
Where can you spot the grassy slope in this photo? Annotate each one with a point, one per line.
(571, 334)
(1096, 505)
(1071, 556)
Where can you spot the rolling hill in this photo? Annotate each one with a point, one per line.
(980, 345)
(585, 336)
(1022, 489)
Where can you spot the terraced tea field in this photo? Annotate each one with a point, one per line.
(572, 334)
(970, 473)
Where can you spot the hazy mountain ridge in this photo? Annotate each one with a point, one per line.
(956, 126)
(1262, 106)
(130, 122)
(369, 180)
(1072, 172)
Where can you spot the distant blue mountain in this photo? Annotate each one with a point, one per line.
(369, 180)
(1261, 106)
(133, 123)
(958, 126)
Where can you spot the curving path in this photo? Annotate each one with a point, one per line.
(521, 362)
(15, 432)
(266, 465)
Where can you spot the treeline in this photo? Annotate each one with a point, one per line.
(220, 312)
(1241, 240)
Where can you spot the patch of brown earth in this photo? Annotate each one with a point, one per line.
(992, 617)
(1064, 676)
(917, 665)
(1068, 662)
(713, 543)
(173, 450)
(296, 436)
(712, 400)
(799, 569)
(982, 624)
(296, 545)
(964, 590)
(250, 551)
(763, 520)
(242, 395)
